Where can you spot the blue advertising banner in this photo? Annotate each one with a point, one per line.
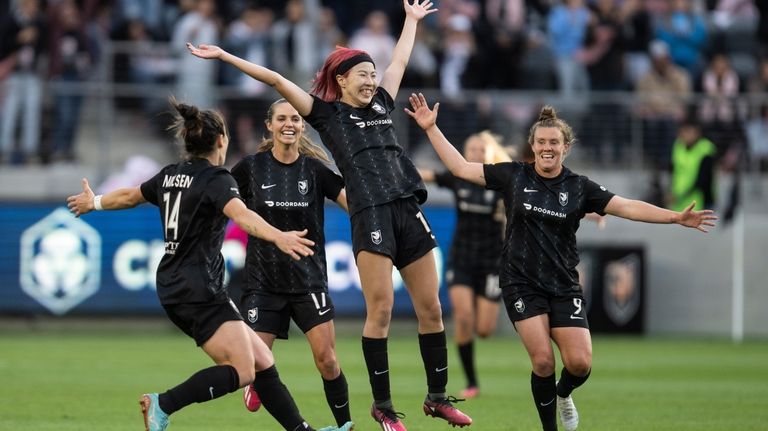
(104, 263)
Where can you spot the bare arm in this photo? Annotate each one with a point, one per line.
(291, 243)
(643, 211)
(341, 200)
(456, 163)
(427, 175)
(295, 95)
(119, 199)
(393, 75)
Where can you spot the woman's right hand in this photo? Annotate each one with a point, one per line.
(294, 244)
(205, 51)
(424, 116)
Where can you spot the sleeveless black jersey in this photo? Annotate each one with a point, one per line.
(289, 197)
(477, 240)
(364, 145)
(191, 196)
(543, 215)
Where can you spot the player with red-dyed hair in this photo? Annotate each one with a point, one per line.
(352, 115)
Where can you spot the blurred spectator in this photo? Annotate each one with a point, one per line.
(501, 33)
(762, 27)
(721, 112)
(662, 93)
(685, 32)
(757, 137)
(149, 12)
(567, 29)
(195, 78)
(294, 40)
(537, 67)
(147, 65)
(603, 52)
(459, 66)
(637, 33)
(247, 37)
(375, 39)
(136, 170)
(421, 71)
(70, 64)
(329, 35)
(22, 36)
(693, 169)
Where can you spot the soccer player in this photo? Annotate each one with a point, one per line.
(287, 182)
(351, 112)
(545, 202)
(195, 197)
(473, 271)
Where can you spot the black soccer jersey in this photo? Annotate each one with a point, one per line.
(289, 197)
(364, 145)
(191, 196)
(543, 215)
(477, 241)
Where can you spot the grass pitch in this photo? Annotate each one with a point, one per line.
(91, 379)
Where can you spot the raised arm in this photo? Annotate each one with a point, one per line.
(643, 211)
(295, 95)
(119, 199)
(393, 75)
(456, 163)
(291, 243)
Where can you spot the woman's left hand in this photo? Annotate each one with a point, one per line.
(697, 219)
(419, 9)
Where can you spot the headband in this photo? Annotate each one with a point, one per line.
(352, 62)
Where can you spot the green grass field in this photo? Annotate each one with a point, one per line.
(90, 379)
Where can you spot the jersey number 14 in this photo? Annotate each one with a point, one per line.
(172, 216)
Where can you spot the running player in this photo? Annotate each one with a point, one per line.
(195, 197)
(473, 271)
(287, 182)
(352, 115)
(545, 202)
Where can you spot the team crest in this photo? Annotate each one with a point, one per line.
(519, 305)
(563, 196)
(303, 187)
(253, 314)
(376, 237)
(378, 108)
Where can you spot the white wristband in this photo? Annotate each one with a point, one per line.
(97, 203)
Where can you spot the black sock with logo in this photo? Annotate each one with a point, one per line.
(337, 395)
(377, 362)
(202, 386)
(568, 382)
(434, 353)
(277, 400)
(467, 356)
(544, 393)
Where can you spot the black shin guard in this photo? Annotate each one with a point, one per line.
(377, 362)
(337, 395)
(202, 386)
(568, 382)
(277, 400)
(467, 356)
(544, 392)
(434, 353)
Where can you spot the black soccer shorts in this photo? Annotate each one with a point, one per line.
(200, 321)
(564, 311)
(272, 312)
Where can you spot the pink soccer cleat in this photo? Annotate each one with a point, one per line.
(388, 419)
(470, 392)
(251, 399)
(444, 409)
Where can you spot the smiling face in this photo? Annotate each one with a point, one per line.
(474, 150)
(285, 125)
(358, 85)
(549, 149)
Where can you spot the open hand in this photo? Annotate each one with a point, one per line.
(424, 116)
(81, 203)
(419, 9)
(205, 51)
(697, 219)
(294, 244)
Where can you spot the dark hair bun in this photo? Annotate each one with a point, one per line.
(547, 113)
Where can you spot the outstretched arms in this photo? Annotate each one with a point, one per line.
(295, 95)
(456, 163)
(86, 201)
(393, 75)
(642, 211)
(291, 243)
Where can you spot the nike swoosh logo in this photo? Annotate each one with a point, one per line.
(210, 389)
(354, 117)
(440, 370)
(341, 406)
(546, 404)
(576, 317)
(263, 187)
(321, 312)
(527, 190)
(378, 373)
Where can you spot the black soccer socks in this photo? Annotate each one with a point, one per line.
(568, 382)
(544, 393)
(467, 356)
(202, 386)
(377, 362)
(337, 395)
(434, 353)
(277, 400)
